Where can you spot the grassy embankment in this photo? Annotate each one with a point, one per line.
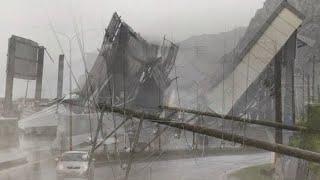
(251, 173)
(308, 141)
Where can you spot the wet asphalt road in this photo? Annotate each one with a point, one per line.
(214, 167)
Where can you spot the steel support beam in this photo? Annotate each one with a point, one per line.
(60, 76)
(10, 77)
(39, 75)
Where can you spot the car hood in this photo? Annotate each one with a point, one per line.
(73, 163)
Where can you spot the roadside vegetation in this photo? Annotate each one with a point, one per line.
(252, 173)
(310, 141)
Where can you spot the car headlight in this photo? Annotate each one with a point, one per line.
(89, 139)
(60, 166)
(84, 168)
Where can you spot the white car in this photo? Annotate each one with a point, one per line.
(75, 164)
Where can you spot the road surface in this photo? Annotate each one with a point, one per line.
(214, 167)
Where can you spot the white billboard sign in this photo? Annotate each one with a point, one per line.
(25, 57)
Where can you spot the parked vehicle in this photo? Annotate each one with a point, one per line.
(75, 164)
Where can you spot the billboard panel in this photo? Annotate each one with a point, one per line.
(25, 57)
(278, 31)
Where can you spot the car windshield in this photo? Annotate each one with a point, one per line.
(74, 157)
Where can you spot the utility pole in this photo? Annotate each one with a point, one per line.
(70, 39)
(243, 120)
(313, 78)
(70, 94)
(318, 94)
(26, 94)
(308, 100)
(278, 98)
(114, 120)
(194, 142)
(159, 135)
(303, 96)
(278, 148)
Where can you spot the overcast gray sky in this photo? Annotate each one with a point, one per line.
(177, 19)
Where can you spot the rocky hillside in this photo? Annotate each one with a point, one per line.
(198, 55)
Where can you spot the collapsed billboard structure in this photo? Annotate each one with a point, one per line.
(129, 71)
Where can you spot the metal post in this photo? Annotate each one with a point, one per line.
(9, 78)
(303, 96)
(159, 138)
(318, 94)
(313, 79)
(60, 76)
(278, 113)
(308, 98)
(26, 93)
(194, 142)
(288, 91)
(292, 67)
(278, 98)
(70, 94)
(39, 75)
